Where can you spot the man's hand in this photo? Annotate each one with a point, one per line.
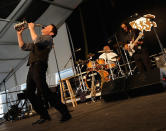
(19, 32)
(31, 25)
(140, 42)
(32, 31)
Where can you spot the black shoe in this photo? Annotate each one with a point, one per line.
(65, 118)
(41, 120)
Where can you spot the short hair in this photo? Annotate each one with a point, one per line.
(106, 47)
(54, 30)
(127, 24)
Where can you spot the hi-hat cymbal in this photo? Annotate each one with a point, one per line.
(82, 62)
(102, 51)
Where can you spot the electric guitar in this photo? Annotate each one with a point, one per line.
(131, 45)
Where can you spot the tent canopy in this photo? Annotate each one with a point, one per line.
(38, 11)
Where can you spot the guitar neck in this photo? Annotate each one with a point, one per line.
(140, 35)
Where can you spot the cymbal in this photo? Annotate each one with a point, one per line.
(102, 51)
(82, 62)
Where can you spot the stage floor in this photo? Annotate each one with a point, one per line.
(144, 113)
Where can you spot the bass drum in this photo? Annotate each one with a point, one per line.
(98, 77)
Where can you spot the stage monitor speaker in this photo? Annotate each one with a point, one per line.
(114, 90)
(160, 61)
(147, 83)
(135, 85)
(147, 78)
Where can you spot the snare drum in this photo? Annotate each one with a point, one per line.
(110, 65)
(91, 65)
(101, 64)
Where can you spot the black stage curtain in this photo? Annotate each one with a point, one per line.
(102, 19)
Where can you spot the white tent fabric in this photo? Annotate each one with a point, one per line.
(10, 54)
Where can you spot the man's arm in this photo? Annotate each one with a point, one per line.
(22, 45)
(32, 31)
(19, 37)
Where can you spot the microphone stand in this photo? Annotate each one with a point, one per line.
(110, 69)
(120, 52)
(128, 63)
(160, 44)
(6, 95)
(81, 81)
(70, 58)
(158, 39)
(126, 74)
(58, 72)
(67, 61)
(73, 67)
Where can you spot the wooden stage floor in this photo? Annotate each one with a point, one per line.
(144, 113)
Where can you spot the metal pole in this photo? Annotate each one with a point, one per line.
(160, 44)
(128, 63)
(73, 52)
(120, 53)
(57, 65)
(6, 96)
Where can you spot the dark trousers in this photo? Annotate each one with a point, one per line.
(142, 60)
(36, 80)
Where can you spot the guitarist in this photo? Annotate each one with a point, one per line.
(139, 52)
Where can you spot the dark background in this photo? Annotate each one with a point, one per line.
(102, 19)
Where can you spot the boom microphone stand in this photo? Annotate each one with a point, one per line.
(70, 58)
(160, 44)
(151, 17)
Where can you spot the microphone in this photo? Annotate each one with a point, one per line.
(79, 49)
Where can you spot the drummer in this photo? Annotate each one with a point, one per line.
(108, 55)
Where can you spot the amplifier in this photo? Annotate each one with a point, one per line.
(160, 61)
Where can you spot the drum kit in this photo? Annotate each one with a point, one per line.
(99, 71)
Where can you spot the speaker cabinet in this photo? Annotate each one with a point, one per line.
(135, 85)
(114, 90)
